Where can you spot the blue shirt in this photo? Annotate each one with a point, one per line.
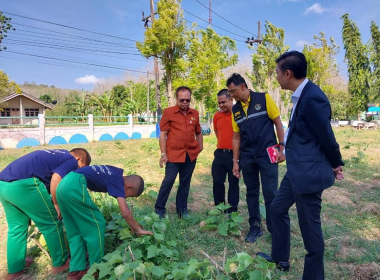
(104, 178)
(40, 164)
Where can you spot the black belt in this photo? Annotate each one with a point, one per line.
(225, 150)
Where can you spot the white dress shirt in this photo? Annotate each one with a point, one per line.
(295, 96)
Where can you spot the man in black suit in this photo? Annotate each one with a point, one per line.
(313, 162)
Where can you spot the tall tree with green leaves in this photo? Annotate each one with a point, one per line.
(358, 65)
(5, 26)
(207, 56)
(166, 40)
(375, 61)
(263, 75)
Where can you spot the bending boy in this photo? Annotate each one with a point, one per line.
(85, 225)
(24, 193)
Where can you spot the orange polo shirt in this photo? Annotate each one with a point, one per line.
(223, 126)
(181, 133)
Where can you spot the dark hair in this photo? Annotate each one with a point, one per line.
(224, 92)
(294, 61)
(182, 88)
(138, 183)
(83, 154)
(237, 79)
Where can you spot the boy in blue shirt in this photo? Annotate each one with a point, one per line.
(24, 193)
(85, 225)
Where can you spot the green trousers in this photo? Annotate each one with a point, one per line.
(25, 200)
(85, 225)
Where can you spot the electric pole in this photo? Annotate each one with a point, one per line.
(252, 40)
(156, 73)
(147, 96)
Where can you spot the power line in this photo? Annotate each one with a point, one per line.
(224, 18)
(56, 64)
(67, 34)
(214, 25)
(64, 40)
(66, 60)
(71, 27)
(205, 28)
(63, 43)
(54, 46)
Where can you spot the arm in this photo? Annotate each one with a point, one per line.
(280, 135)
(55, 179)
(199, 138)
(235, 149)
(127, 215)
(317, 114)
(162, 141)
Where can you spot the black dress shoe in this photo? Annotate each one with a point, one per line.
(283, 266)
(253, 234)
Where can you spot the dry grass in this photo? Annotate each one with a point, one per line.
(350, 216)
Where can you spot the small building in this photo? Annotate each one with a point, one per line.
(21, 109)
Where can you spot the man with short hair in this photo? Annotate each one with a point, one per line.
(25, 185)
(253, 119)
(313, 162)
(180, 141)
(222, 164)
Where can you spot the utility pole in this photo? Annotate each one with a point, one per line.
(252, 40)
(209, 12)
(156, 73)
(147, 96)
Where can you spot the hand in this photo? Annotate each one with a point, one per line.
(143, 232)
(235, 170)
(280, 157)
(338, 172)
(163, 160)
(59, 217)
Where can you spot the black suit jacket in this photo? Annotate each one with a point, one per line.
(311, 148)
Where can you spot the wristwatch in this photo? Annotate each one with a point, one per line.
(281, 144)
(163, 154)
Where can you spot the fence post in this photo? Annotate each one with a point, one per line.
(41, 125)
(130, 124)
(91, 126)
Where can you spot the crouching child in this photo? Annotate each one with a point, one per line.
(85, 225)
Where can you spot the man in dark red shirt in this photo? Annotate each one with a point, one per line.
(223, 161)
(181, 141)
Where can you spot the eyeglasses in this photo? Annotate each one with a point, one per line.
(184, 100)
(232, 91)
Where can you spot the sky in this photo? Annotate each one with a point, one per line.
(59, 42)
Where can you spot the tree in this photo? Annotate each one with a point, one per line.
(7, 87)
(105, 103)
(375, 61)
(263, 75)
(5, 26)
(357, 65)
(46, 98)
(207, 56)
(80, 104)
(166, 40)
(119, 94)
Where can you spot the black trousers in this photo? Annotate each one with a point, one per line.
(269, 182)
(309, 219)
(222, 166)
(172, 169)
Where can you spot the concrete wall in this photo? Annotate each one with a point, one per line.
(54, 135)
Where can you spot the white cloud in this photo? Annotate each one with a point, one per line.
(88, 79)
(301, 43)
(315, 8)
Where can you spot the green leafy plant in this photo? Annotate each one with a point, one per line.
(225, 223)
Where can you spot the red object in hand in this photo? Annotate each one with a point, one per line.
(272, 152)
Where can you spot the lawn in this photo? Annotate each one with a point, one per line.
(350, 213)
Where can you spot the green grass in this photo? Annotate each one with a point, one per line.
(350, 213)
